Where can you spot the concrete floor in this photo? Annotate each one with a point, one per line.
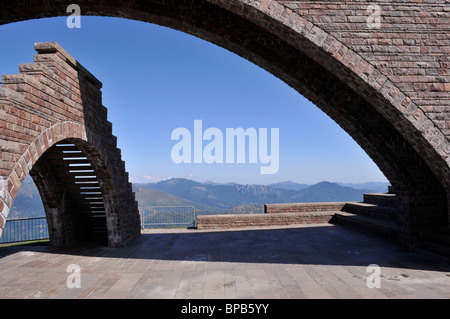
(297, 261)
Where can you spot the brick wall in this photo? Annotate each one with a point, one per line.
(302, 207)
(274, 215)
(261, 220)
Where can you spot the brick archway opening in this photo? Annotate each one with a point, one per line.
(74, 183)
(402, 140)
(73, 187)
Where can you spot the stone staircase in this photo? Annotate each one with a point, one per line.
(377, 215)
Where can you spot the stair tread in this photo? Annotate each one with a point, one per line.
(372, 210)
(385, 229)
(381, 199)
(380, 194)
(368, 205)
(370, 220)
(319, 212)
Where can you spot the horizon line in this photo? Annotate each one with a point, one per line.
(156, 180)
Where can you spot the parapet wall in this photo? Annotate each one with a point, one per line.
(274, 215)
(303, 207)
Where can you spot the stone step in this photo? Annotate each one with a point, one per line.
(383, 199)
(371, 210)
(385, 229)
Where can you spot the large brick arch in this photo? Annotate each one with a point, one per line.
(387, 87)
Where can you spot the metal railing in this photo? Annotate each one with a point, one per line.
(29, 229)
(168, 216)
(24, 229)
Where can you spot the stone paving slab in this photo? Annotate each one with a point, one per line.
(279, 262)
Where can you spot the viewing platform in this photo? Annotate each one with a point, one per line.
(275, 262)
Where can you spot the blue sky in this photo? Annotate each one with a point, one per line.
(157, 79)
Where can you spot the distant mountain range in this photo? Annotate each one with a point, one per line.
(215, 198)
(289, 185)
(232, 198)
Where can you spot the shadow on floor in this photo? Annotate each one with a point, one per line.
(323, 244)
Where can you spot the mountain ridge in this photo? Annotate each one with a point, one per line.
(208, 197)
(224, 197)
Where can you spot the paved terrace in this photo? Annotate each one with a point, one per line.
(301, 261)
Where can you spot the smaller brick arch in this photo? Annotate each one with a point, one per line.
(52, 102)
(30, 156)
(66, 215)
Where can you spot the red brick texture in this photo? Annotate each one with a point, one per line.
(262, 220)
(303, 207)
(51, 100)
(387, 86)
(274, 215)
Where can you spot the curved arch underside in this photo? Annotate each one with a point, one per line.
(380, 114)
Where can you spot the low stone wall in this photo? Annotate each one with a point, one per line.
(303, 207)
(249, 220)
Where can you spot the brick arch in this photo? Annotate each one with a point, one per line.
(305, 45)
(214, 21)
(35, 162)
(52, 100)
(32, 153)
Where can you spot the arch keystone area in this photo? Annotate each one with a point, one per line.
(388, 87)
